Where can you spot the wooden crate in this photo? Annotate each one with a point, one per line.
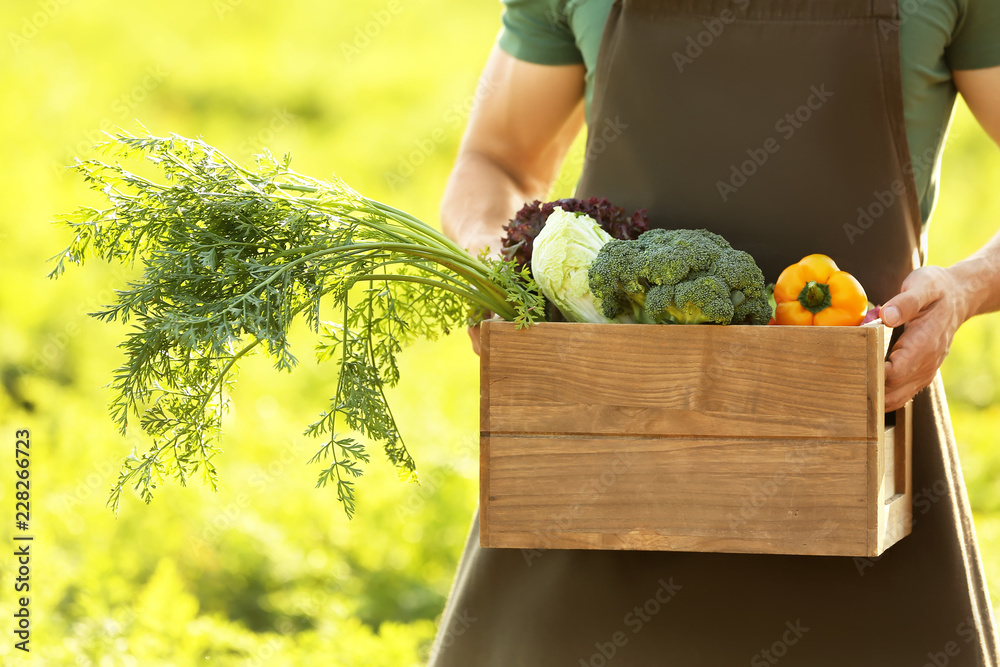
(755, 439)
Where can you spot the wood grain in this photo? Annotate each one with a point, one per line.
(874, 364)
(485, 454)
(898, 507)
(697, 438)
(714, 381)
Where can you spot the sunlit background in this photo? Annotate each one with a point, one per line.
(269, 570)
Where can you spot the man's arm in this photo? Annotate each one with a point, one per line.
(518, 133)
(981, 90)
(935, 301)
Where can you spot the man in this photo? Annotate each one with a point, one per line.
(784, 126)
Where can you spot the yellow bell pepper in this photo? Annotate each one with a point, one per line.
(814, 291)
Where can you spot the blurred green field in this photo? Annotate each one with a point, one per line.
(268, 570)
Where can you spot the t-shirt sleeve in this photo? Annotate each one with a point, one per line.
(975, 43)
(538, 31)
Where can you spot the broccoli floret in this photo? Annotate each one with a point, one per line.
(740, 272)
(682, 276)
(659, 300)
(755, 310)
(704, 298)
(614, 276)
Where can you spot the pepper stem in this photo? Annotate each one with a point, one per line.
(815, 296)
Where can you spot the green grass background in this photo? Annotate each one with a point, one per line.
(268, 570)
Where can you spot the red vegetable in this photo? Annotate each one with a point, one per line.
(522, 230)
(872, 314)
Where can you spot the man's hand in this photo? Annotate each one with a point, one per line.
(933, 303)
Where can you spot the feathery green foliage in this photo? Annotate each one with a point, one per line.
(230, 256)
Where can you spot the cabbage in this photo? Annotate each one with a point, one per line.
(562, 255)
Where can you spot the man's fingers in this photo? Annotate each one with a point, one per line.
(905, 376)
(897, 396)
(903, 365)
(474, 335)
(926, 304)
(903, 361)
(920, 289)
(902, 308)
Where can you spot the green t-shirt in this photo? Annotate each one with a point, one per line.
(936, 36)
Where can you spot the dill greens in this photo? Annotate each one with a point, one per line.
(230, 256)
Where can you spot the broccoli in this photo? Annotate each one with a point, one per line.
(680, 276)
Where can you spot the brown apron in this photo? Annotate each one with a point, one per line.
(778, 124)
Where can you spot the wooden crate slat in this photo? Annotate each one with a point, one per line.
(699, 384)
(653, 542)
(713, 489)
